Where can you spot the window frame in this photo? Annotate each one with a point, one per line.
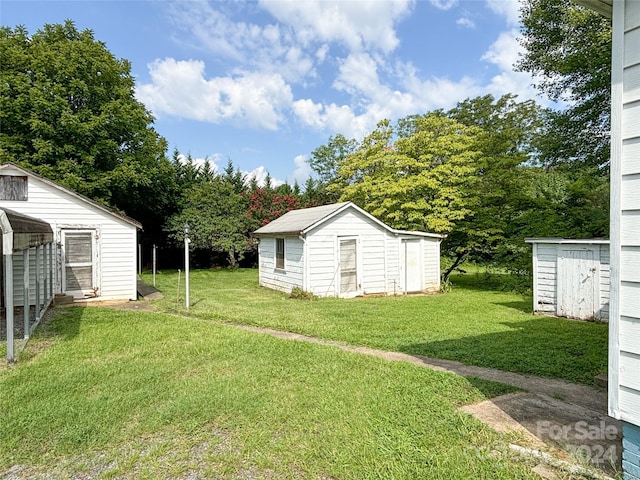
(280, 253)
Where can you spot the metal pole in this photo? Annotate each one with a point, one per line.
(154, 264)
(8, 303)
(38, 297)
(186, 270)
(27, 300)
(139, 259)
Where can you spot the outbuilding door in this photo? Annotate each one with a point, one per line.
(412, 262)
(348, 267)
(79, 271)
(578, 282)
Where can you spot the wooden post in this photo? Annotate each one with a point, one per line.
(8, 303)
(26, 301)
(38, 255)
(154, 265)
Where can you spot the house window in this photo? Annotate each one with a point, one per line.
(280, 253)
(13, 188)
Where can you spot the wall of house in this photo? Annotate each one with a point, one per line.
(624, 347)
(291, 276)
(431, 263)
(546, 268)
(116, 244)
(323, 274)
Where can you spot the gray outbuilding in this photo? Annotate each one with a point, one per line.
(341, 250)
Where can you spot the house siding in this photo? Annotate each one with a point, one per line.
(629, 210)
(547, 270)
(377, 250)
(285, 279)
(116, 254)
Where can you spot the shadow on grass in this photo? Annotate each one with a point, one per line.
(546, 346)
(523, 305)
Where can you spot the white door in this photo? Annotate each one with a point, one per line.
(348, 267)
(577, 283)
(79, 257)
(412, 263)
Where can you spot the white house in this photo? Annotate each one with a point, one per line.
(341, 250)
(571, 277)
(624, 308)
(94, 254)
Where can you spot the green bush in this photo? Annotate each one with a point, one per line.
(299, 294)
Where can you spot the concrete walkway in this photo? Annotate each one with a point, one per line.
(567, 419)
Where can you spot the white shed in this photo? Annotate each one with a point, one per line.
(341, 250)
(624, 316)
(94, 254)
(571, 277)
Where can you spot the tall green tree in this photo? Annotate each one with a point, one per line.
(325, 161)
(507, 133)
(217, 216)
(568, 50)
(419, 182)
(68, 112)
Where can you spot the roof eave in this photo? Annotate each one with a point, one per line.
(603, 7)
(53, 184)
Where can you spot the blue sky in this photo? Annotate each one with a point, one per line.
(264, 83)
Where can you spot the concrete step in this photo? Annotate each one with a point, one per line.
(62, 299)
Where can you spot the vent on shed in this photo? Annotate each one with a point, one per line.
(13, 187)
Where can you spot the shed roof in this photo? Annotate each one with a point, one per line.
(303, 220)
(20, 232)
(557, 240)
(59, 187)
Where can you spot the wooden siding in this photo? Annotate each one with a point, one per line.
(377, 250)
(547, 271)
(431, 278)
(547, 261)
(624, 347)
(322, 247)
(285, 279)
(117, 238)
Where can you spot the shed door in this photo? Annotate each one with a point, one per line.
(412, 263)
(578, 283)
(348, 267)
(79, 254)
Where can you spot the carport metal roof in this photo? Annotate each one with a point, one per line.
(20, 232)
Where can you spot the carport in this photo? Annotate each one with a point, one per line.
(27, 267)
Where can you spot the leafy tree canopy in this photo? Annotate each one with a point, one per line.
(68, 112)
(419, 182)
(568, 49)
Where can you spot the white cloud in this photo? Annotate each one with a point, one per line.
(213, 160)
(180, 89)
(504, 53)
(270, 48)
(302, 170)
(466, 22)
(509, 9)
(443, 4)
(357, 25)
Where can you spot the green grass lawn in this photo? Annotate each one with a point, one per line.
(473, 323)
(104, 393)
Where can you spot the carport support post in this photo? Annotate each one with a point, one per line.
(8, 303)
(38, 255)
(25, 291)
(45, 275)
(52, 252)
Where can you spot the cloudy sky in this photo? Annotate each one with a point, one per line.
(264, 83)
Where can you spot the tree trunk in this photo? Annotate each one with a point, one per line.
(459, 259)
